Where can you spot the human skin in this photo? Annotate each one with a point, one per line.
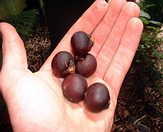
(35, 101)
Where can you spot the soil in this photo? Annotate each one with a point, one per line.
(140, 103)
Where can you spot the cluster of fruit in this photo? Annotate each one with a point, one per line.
(75, 68)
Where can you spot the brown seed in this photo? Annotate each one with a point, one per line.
(86, 65)
(74, 87)
(97, 98)
(81, 43)
(63, 64)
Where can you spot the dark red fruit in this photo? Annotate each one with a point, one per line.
(74, 87)
(97, 98)
(86, 65)
(81, 43)
(63, 64)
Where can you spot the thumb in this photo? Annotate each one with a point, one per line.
(14, 55)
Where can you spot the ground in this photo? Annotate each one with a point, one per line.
(139, 108)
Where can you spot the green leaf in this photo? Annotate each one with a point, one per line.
(155, 23)
(145, 7)
(151, 27)
(144, 20)
(144, 14)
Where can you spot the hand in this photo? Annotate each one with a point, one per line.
(35, 101)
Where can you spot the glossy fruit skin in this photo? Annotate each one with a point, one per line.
(81, 43)
(74, 87)
(63, 64)
(86, 65)
(97, 98)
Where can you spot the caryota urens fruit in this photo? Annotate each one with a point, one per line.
(97, 97)
(86, 65)
(63, 64)
(74, 87)
(81, 43)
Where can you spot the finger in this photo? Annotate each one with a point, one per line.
(102, 31)
(110, 47)
(122, 60)
(87, 22)
(14, 55)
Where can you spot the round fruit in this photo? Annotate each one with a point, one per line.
(81, 43)
(74, 87)
(97, 98)
(86, 65)
(63, 64)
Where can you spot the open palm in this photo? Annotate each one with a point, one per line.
(35, 101)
